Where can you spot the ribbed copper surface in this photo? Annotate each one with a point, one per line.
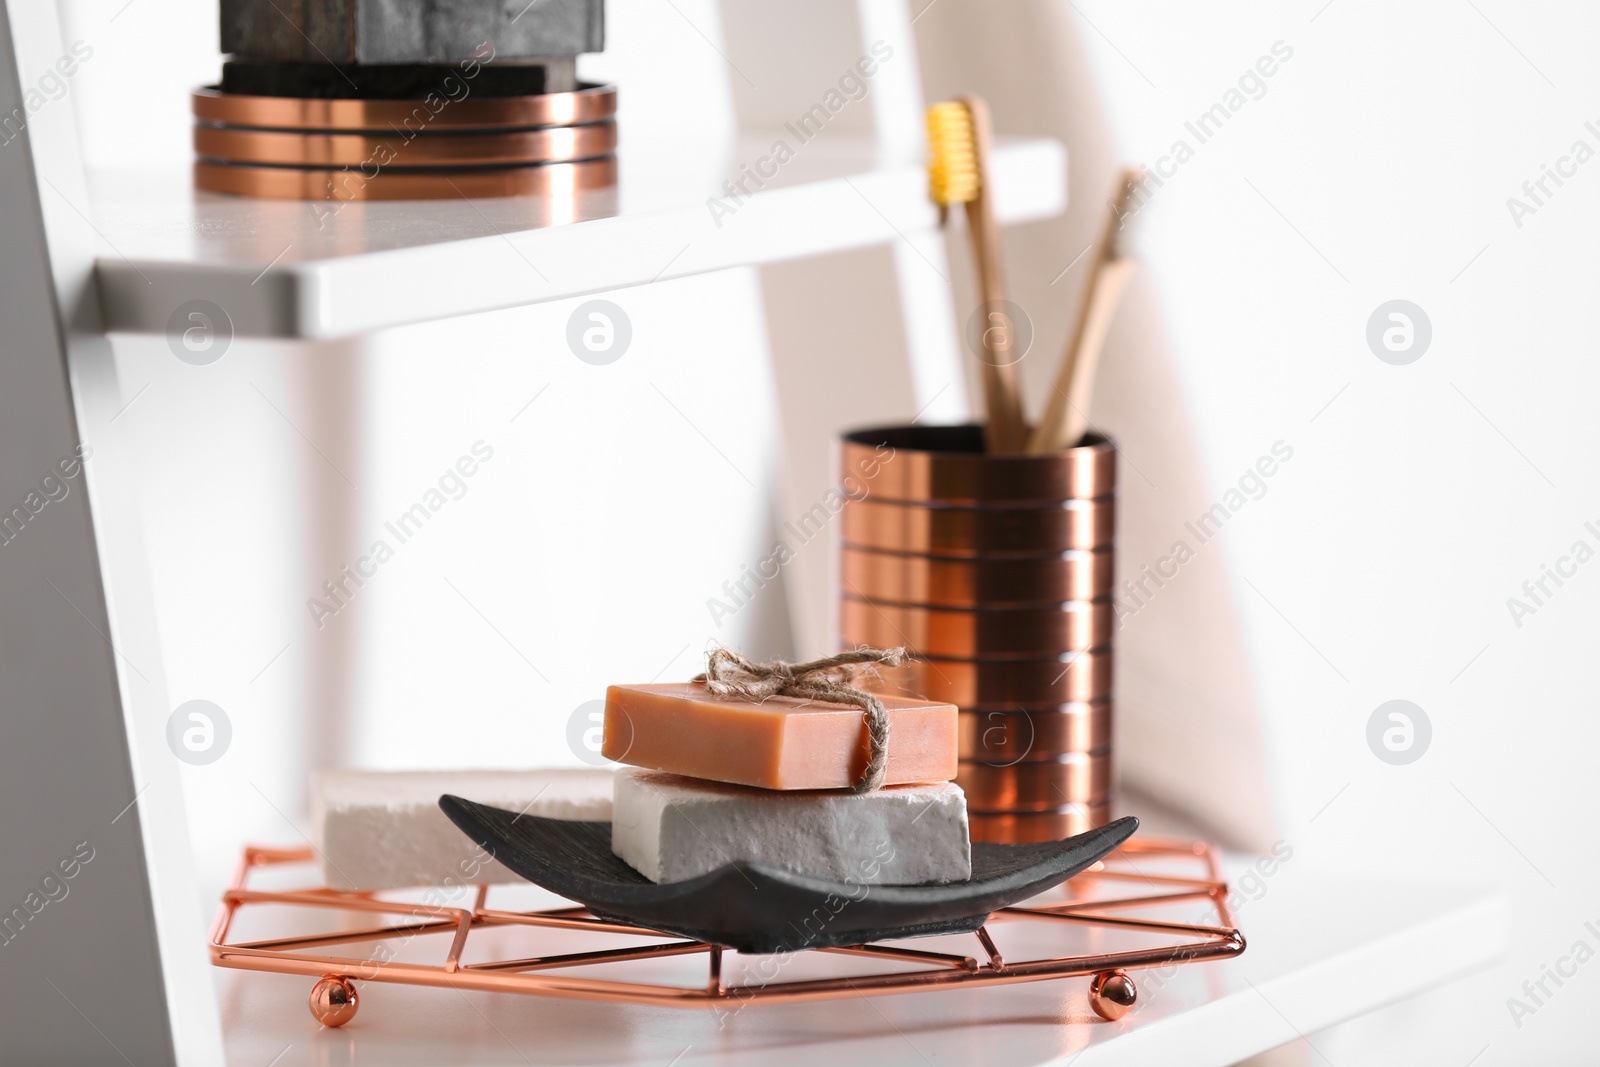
(897, 578)
(1002, 738)
(1071, 778)
(969, 633)
(446, 146)
(1003, 683)
(947, 464)
(397, 149)
(996, 573)
(1028, 826)
(989, 532)
(293, 183)
(590, 104)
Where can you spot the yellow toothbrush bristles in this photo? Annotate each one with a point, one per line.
(952, 154)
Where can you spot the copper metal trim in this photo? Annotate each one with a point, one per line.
(291, 183)
(986, 532)
(897, 578)
(1002, 738)
(995, 571)
(1069, 778)
(1027, 826)
(947, 464)
(589, 104)
(1019, 684)
(966, 633)
(293, 148)
(1094, 900)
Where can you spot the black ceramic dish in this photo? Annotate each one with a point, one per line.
(753, 907)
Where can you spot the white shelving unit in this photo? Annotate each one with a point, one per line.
(88, 256)
(293, 270)
(83, 752)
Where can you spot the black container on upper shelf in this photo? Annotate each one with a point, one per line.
(382, 31)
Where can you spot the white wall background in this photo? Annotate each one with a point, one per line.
(1421, 496)
(1375, 166)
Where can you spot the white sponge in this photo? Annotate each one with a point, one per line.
(384, 829)
(670, 828)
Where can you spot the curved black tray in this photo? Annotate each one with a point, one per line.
(753, 907)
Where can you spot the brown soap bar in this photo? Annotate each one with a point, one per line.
(779, 743)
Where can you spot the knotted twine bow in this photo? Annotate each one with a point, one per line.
(829, 679)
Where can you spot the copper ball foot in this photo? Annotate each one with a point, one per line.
(334, 1001)
(1112, 995)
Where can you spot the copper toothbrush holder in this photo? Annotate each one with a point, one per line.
(996, 572)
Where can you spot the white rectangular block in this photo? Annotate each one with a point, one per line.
(670, 828)
(384, 829)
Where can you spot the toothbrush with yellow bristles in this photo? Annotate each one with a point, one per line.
(958, 173)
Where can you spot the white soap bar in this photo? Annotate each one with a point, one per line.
(384, 829)
(670, 828)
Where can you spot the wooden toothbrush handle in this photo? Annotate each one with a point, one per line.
(1005, 431)
(1066, 416)
(1066, 411)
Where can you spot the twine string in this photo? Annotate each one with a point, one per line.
(829, 679)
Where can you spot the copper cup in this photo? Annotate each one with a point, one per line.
(996, 573)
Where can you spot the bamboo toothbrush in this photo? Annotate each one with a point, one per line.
(958, 173)
(1065, 420)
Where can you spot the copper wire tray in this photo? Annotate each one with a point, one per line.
(1112, 993)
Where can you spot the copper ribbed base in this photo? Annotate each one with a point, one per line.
(295, 183)
(554, 145)
(593, 103)
(996, 573)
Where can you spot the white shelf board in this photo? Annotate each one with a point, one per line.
(1321, 949)
(296, 270)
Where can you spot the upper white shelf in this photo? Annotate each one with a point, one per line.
(296, 270)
